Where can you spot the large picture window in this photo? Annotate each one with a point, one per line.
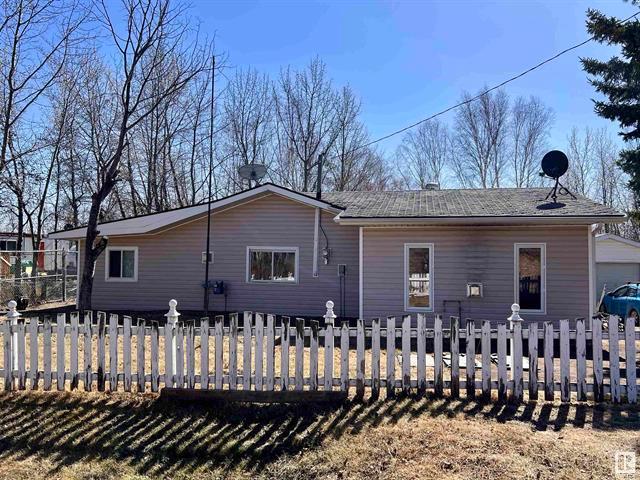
(418, 272)
(530, 277)
(272, 264)
(121, 264)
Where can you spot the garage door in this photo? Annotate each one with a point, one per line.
(614, 275)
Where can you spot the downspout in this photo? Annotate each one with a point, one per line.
(360, 277)
(592, 285)
(316, 241)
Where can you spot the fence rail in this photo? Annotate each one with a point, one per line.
(259, 352)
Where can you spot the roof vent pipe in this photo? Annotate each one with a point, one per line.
(319, 180)
(432, 186)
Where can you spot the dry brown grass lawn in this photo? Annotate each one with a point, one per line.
(102, 436)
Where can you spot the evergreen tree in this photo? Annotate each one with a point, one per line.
(618, 80)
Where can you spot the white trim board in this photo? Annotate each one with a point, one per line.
(360, 274)
(592, 279)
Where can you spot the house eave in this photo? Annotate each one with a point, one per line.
(487, 220)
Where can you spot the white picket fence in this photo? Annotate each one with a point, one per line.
(260, 352)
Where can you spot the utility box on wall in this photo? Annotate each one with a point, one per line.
(474, 290)
(218, 287)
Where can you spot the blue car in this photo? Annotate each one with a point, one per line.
(624, 302)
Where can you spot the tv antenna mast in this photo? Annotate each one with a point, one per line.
(210, 179)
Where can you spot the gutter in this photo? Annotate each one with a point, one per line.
(497, 220)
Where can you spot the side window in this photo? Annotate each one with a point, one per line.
(621, 292)
(632, 292)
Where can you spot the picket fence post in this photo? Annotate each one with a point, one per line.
(329, 319)
(515, 351)
(12, 317)
(513, 319)
(170, 334)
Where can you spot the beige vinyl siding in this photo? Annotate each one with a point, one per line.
(477, 254)
(170, 262)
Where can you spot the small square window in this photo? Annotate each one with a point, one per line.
(121, 264)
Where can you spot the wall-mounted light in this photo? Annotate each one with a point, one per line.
(474, 289)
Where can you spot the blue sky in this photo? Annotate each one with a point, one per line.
(409, 59)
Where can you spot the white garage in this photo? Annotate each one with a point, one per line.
(617, 262)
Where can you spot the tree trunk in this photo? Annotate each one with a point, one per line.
(92, 250)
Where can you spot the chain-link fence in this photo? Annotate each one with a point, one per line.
(35, 277)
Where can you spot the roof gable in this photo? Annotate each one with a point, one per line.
(612, 248)
(151, 223)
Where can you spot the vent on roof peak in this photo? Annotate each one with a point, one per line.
(432, 186)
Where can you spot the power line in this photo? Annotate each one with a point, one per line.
(480, 95)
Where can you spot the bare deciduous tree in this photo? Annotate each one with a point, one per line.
(306, 114)
(580, 153)
(528, 131)
(249, 122)
(349, 166)
(424, 153)
(36, 38)
(481, 130)
(154, 45)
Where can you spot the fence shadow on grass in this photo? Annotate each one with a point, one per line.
(156, 437)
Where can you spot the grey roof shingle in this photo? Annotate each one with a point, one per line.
(496, 202)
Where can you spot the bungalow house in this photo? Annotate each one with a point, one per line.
(457, 252)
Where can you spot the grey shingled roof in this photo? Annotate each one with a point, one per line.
(496, 202)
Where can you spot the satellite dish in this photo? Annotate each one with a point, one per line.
(555, 164)
(252, 172)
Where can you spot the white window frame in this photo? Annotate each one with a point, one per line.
(407, 307)
(516, 275)
(107, 278)
(296, 273)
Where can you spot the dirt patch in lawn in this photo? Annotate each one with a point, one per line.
(101, 436)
